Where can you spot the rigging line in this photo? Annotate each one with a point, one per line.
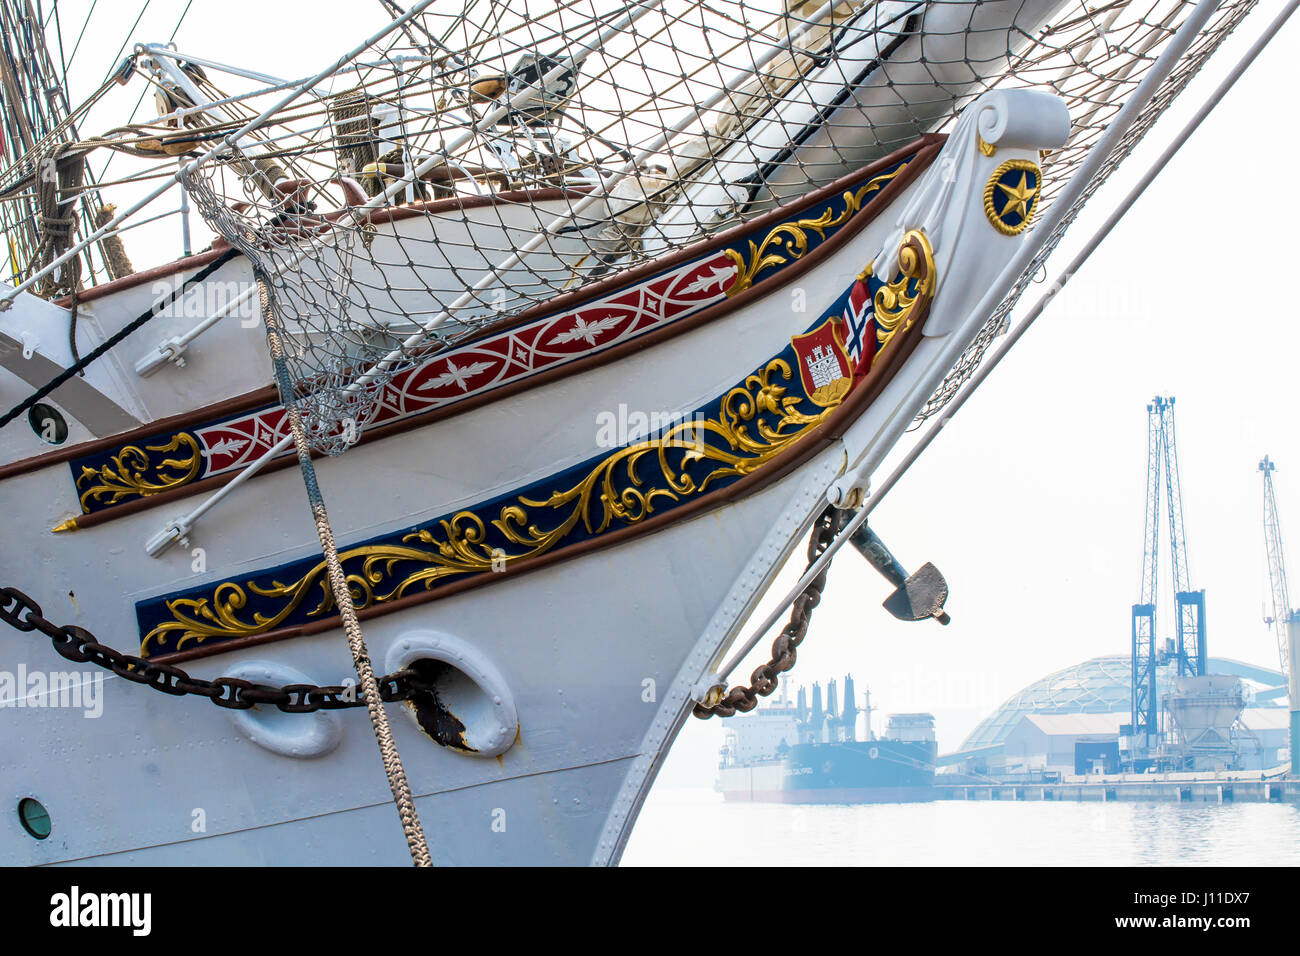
(67, 123)
(394, 10)
(16, 99)
(145, 91)
(469, 44)
(112, 66)
(63, 60)
(17, 112)
(54, 93)
(110, 342)
(1014, 334)
(112, 69)
(72, 57)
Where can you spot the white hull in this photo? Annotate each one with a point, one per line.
(139, 772)
(573, 645)
(229, 358)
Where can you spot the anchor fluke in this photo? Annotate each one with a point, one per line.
(922, 595)
(916, 596)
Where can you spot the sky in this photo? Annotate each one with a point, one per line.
(1031, 501)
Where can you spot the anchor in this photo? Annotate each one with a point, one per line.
(917, 596)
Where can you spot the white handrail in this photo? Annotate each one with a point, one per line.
(170, 350)
(178, 529)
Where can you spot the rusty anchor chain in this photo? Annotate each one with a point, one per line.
(80, 646)
(766, 678)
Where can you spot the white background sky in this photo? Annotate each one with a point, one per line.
(1031, 503)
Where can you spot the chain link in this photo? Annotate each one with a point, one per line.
(766, 678)
(80, 646)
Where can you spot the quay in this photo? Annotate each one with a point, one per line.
(1221, 787)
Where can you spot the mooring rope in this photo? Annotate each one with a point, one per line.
(411, 826)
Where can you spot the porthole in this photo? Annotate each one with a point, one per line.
(291, 735)
(467, 706)
(48, 423)
(451, 698)
(34, 818)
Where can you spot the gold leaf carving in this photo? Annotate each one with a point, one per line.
(133, 473)
(789, 241)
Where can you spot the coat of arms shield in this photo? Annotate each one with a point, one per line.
(824, 367)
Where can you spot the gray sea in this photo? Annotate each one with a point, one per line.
(695, 827)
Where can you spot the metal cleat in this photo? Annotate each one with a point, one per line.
(917, 596)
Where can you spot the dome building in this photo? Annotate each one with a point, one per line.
(1101, 686)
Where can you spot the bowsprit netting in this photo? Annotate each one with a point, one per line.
(335, 353)
(480, 162)
(1144, 38)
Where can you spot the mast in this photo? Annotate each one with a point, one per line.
(35, 121)
(850, 716)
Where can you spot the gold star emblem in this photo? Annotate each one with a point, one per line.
(1018, 197)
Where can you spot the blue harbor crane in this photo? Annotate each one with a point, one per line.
(1189, 647)
(1285, 619)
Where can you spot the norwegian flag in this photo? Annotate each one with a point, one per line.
(861, 338)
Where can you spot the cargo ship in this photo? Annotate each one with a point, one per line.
(809, 753)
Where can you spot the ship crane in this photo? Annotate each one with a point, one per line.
(1189, 648)
(1285, 619)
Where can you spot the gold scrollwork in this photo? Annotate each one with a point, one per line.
(755, 422)
(132, 473)
(894, 302)
(789, 241)
(900, 298)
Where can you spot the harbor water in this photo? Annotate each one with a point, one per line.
(686, 827)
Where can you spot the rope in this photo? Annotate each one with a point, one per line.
(358, 138)
(58, 173)
(72, 320)
(115, 257)
(143, 93)
(77, 367)
(411, 826)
